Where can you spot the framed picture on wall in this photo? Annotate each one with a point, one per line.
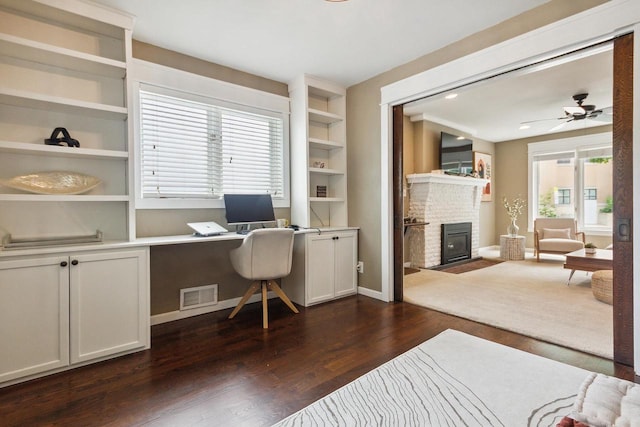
(482, 165)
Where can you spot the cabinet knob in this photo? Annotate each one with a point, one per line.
(63, 264)
(74, 262)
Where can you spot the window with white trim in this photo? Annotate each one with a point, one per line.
(574, 166)
(196, 147)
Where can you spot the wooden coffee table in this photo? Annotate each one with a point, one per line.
(579, 260)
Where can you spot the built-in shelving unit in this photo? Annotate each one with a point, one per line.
(72, 289)
(64, 64)
(318, 153)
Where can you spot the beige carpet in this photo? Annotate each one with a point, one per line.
(521, 296)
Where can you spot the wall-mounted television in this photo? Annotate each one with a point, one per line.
(456, 154)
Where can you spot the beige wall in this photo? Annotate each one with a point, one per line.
(179, 61)
(363, 123)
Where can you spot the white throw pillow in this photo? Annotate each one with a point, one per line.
(556, 233)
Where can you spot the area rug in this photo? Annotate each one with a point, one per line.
(452, 379)
(526, 297)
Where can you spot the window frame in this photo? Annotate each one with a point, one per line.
(591, 193)
(564, 193)
(565, 145)
(150, 74)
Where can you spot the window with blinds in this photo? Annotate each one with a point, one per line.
(196, 147)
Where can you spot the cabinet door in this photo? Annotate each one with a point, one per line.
(320, 256)
(345, 263)
(34, 316)
(109, 303)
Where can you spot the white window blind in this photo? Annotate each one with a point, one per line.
(196, 147)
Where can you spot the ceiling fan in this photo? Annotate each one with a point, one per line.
(580, 111)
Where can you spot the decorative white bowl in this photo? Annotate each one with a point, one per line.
(55, 182)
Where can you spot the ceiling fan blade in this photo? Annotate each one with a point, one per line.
(560, 126)
(604, 115)
(542, 120)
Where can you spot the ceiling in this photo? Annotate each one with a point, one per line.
(346, 42)
(493, 110)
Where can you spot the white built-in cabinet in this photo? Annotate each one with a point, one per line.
(64, 64)
(34, 316)
(318, 153)
(326, 263)
(61, 310)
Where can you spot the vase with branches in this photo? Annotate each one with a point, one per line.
(514, 210)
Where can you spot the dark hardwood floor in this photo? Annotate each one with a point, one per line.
(207, 370)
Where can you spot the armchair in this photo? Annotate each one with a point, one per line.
(556, 236)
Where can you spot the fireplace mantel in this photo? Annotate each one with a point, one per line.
(438, 199)
(441, 178)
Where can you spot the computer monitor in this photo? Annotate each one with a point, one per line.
(245, 209)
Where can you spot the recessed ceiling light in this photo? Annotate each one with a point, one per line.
(523, 127)
(451, 96)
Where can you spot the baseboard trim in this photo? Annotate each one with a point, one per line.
(171, 316)
(371, 293)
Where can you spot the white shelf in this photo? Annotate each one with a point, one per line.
(318, 135)
(324, 93)
(324, 144)
(62, 198)
(27, 99)
(43, 53)
(58, 151)
(326, 199)
(326, 171)
(323, 116)
(94, 18)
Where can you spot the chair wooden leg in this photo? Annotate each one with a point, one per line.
(252, 290)
(265, 306)
(278, 291)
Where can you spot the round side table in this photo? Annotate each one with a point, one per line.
(512, 248)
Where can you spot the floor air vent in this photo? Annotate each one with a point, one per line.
(200, 296)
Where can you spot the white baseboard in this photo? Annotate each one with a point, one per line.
(371, 293)
(157, 319)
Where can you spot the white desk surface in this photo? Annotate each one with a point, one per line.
(148, 241)
(191, 238)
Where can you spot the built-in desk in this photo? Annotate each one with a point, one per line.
(185, 261)
(95, 299)
(191, 238)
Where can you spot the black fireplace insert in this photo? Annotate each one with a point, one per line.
(456, 242)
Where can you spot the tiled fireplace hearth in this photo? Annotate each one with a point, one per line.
(441, 199)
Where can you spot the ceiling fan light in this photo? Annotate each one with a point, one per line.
(572, 111)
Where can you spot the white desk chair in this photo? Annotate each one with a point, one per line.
(264, 255)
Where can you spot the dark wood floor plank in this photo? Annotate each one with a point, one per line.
(209, 370)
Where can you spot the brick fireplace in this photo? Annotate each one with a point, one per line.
(441, 199)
